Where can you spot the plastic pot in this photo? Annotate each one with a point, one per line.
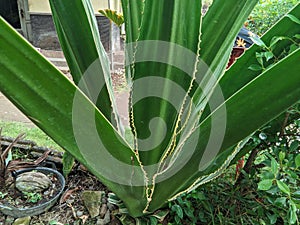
(40, 208)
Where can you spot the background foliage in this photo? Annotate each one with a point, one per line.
(268, 189)
(270, 178)
(268, 193)
(266, 13)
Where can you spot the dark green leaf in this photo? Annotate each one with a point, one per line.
(259, 57)
(275, 40)
(256, 40)
(296, 194)
(294, 146)
(274, 166)
(87, 61)
(292, 213)
(272, 218)
(68, 162)
(265, 185)
(178, 210)
(268, 55)
(293, 18)
(291, 173)
(255, 67)
(281, 202)
(267, 175)
(297, 160)
(177, 220)
(283, 187)
(274, 190)
(153, 220)
(293, 48)
(200, 196)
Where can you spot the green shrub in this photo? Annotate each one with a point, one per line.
(268, 194)
(267, 13)
(268, 191)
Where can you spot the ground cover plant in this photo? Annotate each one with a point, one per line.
(189, 116)
(267, 13)
(265, 192)
(13, 129)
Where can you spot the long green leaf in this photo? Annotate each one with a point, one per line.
(163, 78)
(161, 89)
(60, 109)
(161, 84)
(221, 25)
(250, 108)
(219, 32)
(79, 37)
(155, 81)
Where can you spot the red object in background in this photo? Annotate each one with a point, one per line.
(235, 53)
(239, 166)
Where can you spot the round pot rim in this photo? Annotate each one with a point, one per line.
(35, 210)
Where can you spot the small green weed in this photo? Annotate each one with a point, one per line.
(32, 197)
(2, 195)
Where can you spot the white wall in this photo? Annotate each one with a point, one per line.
(42, 6)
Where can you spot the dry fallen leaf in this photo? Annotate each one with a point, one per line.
(67, 194)
(83, 218)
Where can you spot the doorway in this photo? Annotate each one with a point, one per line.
(9, 11)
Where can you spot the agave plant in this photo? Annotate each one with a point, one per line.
(189, 115)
